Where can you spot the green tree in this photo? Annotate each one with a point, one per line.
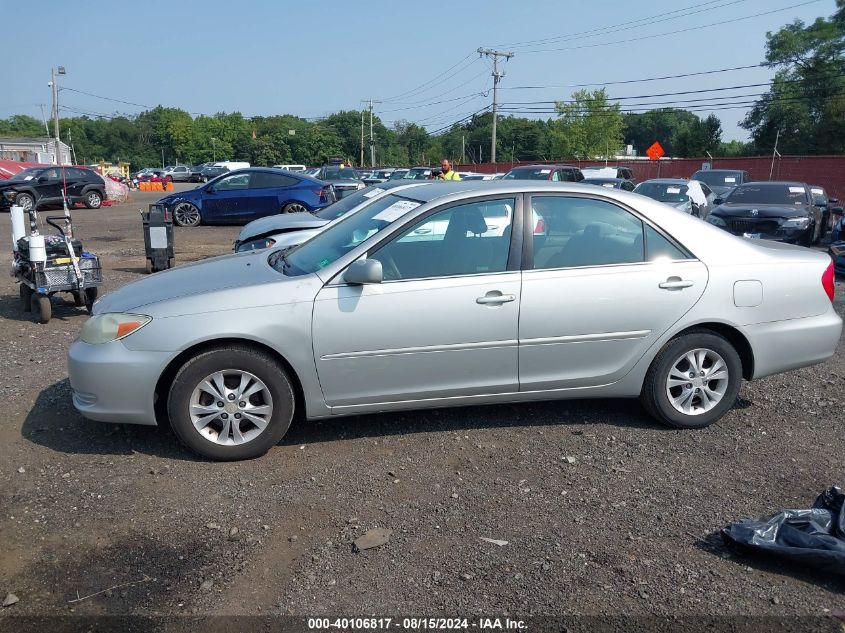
(587, 127)
(805, 107)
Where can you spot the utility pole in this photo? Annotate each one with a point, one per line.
(54, 85)
(497, 76)
(372, 139)
(463, 150)
(361, 162)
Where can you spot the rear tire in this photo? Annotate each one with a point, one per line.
(90, 297)
(26, 298)
(41, 308)
(674, 397)
(93, 200)
(244, 379)
(294, 207)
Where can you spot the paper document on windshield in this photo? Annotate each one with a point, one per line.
(730, 179)
(673, 190)
(796, 190)
(396, 210)
(374, 192)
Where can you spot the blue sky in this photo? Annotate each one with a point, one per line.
(311, 58)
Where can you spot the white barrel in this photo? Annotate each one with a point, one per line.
(37, 249)
(18, 226)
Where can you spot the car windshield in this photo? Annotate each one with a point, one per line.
(27, 174)
(345, 205)
(417, 174)
(340, 238)
(768, 194)
(336, 173)
(718, 178)
(529, 173)
(399, 173)
(604, 182)
(663, 192)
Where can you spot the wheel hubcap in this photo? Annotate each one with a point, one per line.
(94, 199)
(231, 407)
(697, 381)
(186, 214)
(25, 203)
(295, 208)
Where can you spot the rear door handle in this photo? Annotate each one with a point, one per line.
(494, 298)
(676, 283)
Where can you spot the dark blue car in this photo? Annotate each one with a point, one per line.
(244, 195)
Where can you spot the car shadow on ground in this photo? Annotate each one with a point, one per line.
(54, 423)
(138, 270)
(61, 305)
(714, 544)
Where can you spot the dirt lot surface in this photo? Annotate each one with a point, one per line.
(603, 510)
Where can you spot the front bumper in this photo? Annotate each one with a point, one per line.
(114, 384)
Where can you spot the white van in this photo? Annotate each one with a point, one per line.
(290, 167)
(231, 165)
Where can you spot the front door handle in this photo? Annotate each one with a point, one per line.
(676, 283)
(495, 298)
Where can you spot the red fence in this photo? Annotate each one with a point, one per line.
(826, 171)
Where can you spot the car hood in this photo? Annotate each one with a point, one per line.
(218, 273)
(280, 224)
(762, 211)
(722, 189)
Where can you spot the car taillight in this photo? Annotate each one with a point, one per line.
(540, 227)
(326, 194)
(827, 281)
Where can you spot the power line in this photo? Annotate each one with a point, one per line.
(667, 33)
(461, 120)
(626, 26)
(433, 79)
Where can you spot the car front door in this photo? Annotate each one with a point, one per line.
(442, 324)
(226, 201)
(48, 185)
(600, 286)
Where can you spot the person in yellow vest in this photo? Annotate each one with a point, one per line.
(447, 173)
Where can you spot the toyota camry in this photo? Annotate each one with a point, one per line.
(618, 296)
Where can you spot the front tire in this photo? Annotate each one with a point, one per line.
(186, 214)
(93, 200)
(24, 200)
(693, 381)
(41, 308)
(231, 403)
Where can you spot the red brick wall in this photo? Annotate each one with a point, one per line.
(827, 171)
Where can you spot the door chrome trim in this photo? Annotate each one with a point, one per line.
(427, 349)
(586, 338)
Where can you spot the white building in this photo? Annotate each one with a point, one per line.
(33, 150)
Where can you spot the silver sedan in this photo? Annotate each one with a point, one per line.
(587, 292)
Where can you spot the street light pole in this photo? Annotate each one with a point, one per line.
(54, 85)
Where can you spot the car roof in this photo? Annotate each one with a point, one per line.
(550, 166)
(668, 181)
(433, 189)
(733, 171)
(604, 179)
(766, 183)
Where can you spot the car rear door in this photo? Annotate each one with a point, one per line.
(442, 324)
(599, 287)
(227, 201)
(268, 192)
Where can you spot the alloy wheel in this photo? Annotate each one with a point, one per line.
(697, 381)
(294, 207)
(230, 407)
(186, 214)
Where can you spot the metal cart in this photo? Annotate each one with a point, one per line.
(158, 238)
(59, 273)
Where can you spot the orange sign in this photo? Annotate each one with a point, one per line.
(655, 151)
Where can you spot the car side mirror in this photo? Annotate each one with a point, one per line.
(364, 271)
(718, 200)
(43, 179)
(209, 189)
(833, 200)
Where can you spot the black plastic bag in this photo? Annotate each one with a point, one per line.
(814, 538)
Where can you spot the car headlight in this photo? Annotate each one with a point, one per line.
(716, 220)
(104, 328)
(796, 223)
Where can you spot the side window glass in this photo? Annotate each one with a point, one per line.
(584, 232)
(628, 185)
(464, 240)
(231, 183)
(661, 248)
(262, 180)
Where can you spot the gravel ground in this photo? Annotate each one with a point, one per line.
(604, 512)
